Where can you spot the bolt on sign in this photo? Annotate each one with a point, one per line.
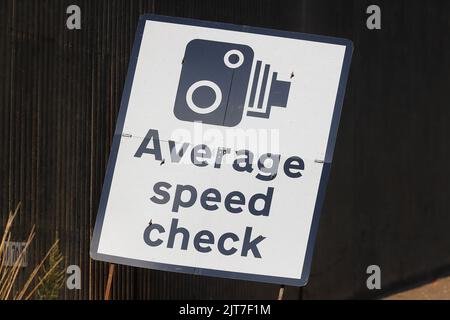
(222, 150)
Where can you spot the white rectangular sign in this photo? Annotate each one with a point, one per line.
(222, 150)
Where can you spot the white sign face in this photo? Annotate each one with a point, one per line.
(222, 150)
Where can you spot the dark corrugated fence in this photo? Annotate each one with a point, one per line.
(387, 201)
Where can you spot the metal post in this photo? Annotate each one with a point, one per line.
(109, 282)
(281, 292)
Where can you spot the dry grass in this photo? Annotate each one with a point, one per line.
(9, 274)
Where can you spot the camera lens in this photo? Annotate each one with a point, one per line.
(213, 106)
(230, 59)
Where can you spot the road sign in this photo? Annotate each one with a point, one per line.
(222, 150)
